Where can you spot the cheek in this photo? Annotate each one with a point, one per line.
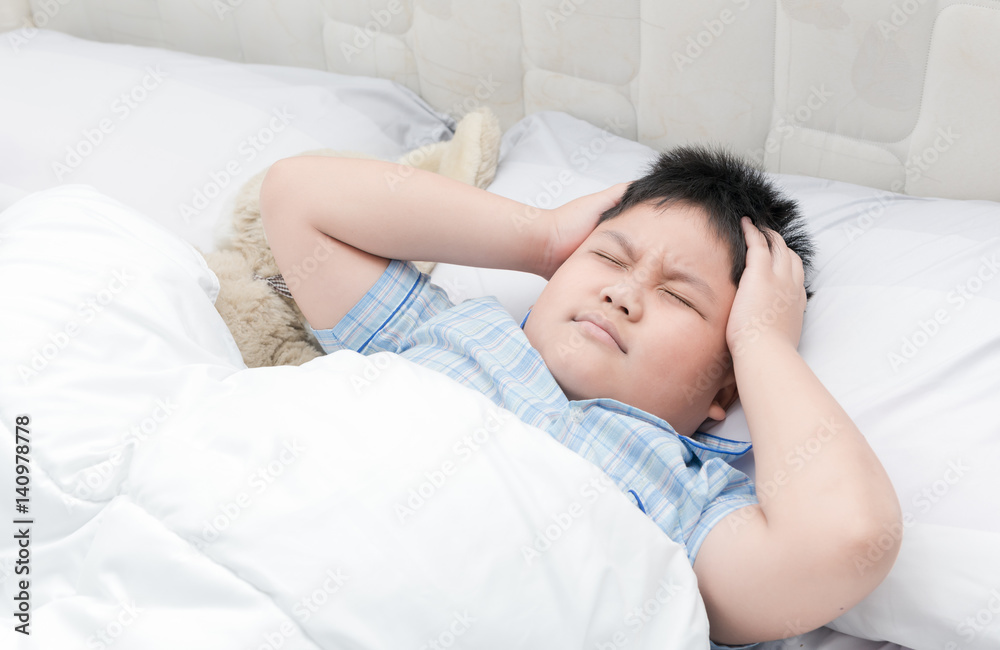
(682, 357)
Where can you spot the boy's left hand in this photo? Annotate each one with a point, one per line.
(771, 297)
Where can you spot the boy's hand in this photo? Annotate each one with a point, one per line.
(771, 297)
(570, 224)
(794, 555)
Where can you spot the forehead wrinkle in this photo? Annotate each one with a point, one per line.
(692, 280)
(623, 241)
(668, 271)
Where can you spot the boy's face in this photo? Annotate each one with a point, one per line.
(638, 314)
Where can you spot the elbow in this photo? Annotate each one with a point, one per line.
(274, 189)
(871, 526)
(874, 544)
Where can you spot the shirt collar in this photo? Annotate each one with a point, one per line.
(703, 445)
(706, 445)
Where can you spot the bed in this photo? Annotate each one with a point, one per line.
(176, 498)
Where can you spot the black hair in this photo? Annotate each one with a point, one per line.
(727, 188)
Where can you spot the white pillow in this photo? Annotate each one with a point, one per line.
(902, 330)
(261, 507)
(174, 135)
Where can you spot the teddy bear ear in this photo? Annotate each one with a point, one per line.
(484, 128)
(470, 156)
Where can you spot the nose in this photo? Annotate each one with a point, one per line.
(624, 295)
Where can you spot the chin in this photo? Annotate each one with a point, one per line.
(569, 390)
(573, 387)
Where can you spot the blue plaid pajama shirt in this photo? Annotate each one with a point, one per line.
(684, 484)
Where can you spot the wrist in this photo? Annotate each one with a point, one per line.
(752, 341)
(542, 247)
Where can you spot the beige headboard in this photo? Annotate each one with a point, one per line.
(895, 94)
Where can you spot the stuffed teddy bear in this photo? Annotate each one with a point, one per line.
(265, 322)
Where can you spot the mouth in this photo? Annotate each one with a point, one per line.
(600, 328)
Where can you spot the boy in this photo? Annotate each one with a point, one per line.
(649, 322)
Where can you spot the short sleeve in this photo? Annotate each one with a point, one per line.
(400, 301)
(734, 491)
(715, 646)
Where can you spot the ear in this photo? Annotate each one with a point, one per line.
(724, 398)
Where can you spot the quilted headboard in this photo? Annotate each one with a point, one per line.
(896, 94)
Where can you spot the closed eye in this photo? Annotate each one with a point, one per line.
(679, 299)
(665, 291)
(609, 258)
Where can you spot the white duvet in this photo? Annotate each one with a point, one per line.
(180, 500)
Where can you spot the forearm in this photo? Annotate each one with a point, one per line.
(803, 556)
(399, 212)
(815, 471)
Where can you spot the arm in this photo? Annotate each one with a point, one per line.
(804, 555)
(333, 224)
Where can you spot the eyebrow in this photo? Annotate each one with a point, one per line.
(675, 274)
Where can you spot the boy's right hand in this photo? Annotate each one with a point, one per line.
(571, 223)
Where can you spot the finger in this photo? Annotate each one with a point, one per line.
(602, 200)
(788, 264)
(791, 264)
(615, 192)
(781, 255)
(757, 247)
(595, 202)
(608, 199)
(798, 270)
